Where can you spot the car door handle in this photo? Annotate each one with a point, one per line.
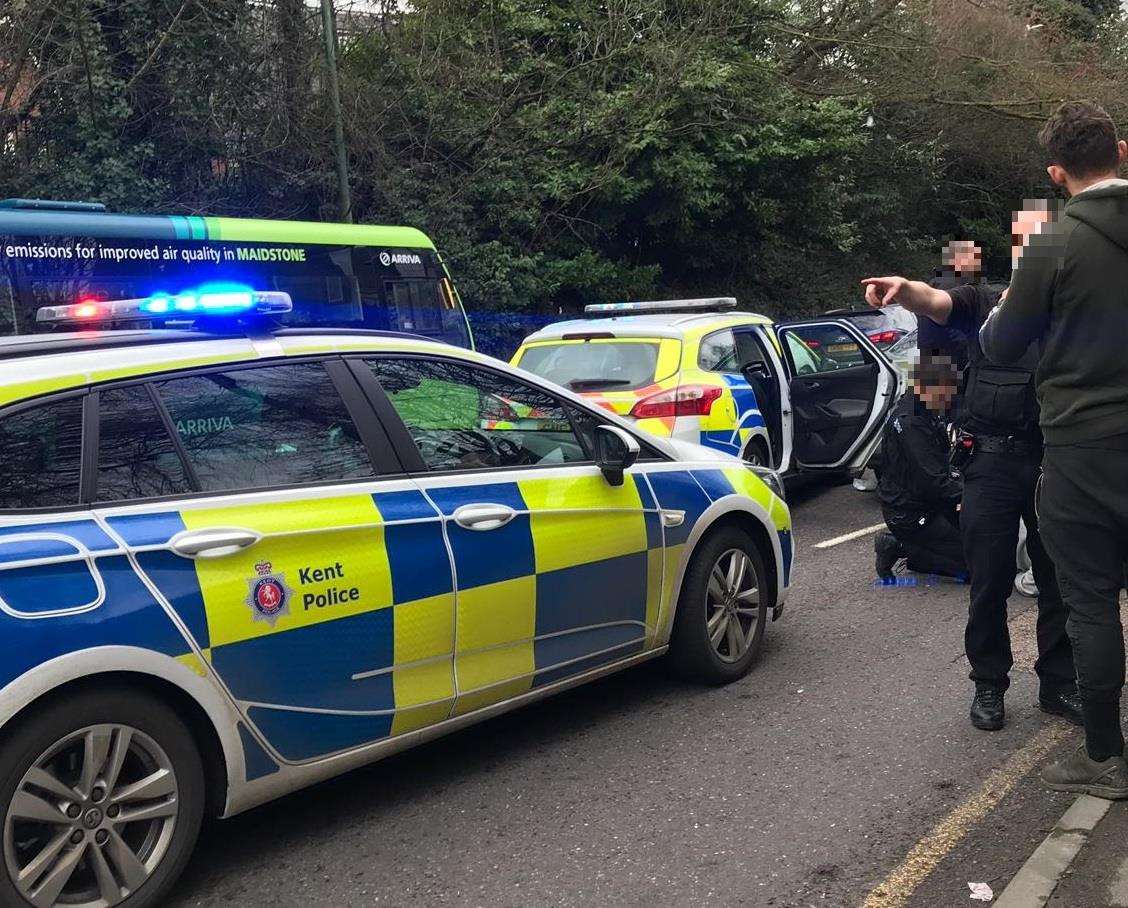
(483, 517)
(813, 385)
(212, 543)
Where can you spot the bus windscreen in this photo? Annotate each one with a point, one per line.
(391, 289)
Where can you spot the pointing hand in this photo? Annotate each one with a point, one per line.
(881, 291)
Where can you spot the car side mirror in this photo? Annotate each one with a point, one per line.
(615, 452)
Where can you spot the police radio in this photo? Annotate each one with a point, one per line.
(962, 450)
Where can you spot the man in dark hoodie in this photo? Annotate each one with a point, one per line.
(1069, 292)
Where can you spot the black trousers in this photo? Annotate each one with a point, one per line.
(998, 492)
(1083, 506)
(933, 547)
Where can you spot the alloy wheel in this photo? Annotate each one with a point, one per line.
(732, 601)
(92, 818)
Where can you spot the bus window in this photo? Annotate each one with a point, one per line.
(7, 306)
(417, 305)
(343, 286)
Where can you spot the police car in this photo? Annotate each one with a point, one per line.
(239, 559)
(797, 396)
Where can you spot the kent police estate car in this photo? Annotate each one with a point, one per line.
(237, 562)
(797, 396)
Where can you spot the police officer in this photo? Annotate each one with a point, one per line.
(919, 495)
(1001, 448)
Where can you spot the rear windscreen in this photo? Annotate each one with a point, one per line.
(594, 365)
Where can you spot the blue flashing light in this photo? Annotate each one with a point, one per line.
(157, 304)
(227, 301)
(211, 299)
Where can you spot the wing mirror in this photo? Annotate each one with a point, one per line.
(615, 452)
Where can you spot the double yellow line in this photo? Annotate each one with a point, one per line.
(896, 889)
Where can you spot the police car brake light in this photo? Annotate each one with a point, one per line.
(686, 400)
(204, 302)
(706, 304)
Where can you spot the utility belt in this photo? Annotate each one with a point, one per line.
(966, 444)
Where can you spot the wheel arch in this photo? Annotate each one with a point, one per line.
(192, 698)
(731, 511)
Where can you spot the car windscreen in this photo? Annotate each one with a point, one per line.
(597, 365)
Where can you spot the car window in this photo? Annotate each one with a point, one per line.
(465, 418)
(267, 426)
(594, 365)
(805, 360)
(41, 453)
(718, 352)
(137, 457)
(828, 348)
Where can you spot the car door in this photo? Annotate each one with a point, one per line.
(840, 389)
(762, 369)
(743, 431)
(311, 575)
(557, 571)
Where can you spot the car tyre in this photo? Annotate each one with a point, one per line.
(724, 582)
(134, 738)
(757, 453)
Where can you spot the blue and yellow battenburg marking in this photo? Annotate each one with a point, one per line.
(342, 627)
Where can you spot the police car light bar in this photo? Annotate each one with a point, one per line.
(708, 304)
(220, 301)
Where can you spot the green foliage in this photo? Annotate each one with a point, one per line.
(560, 152)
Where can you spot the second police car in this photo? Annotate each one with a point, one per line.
(797, 396)
(236, 562)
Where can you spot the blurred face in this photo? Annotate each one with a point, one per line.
(1028, 222)
(964, 257)
(937, 398)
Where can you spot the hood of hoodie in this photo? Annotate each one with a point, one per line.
(1105, 210)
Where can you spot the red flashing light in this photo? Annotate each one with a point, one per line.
(87, 310)
(686, 400)
(885, 337)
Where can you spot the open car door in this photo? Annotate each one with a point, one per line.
(840, 389)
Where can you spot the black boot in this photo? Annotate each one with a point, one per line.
(888, 552)
(1065, 703)
(987, 711)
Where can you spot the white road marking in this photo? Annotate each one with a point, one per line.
(857, 534)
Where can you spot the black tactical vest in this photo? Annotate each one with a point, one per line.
(1000, 400)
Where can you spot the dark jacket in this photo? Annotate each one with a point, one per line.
(935, 338)
(916, 480)
(1070, 290)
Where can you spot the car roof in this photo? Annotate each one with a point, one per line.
(33, 365)
(658, 324)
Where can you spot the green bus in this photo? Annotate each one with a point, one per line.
(337, 275)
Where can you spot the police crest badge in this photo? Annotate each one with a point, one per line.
(269, 596)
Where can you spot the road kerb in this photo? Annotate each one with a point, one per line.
(1037, 879)
(897, 888)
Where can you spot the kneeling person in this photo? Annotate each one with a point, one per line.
(919, 495)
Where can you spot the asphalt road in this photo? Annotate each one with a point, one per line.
(804, 784)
